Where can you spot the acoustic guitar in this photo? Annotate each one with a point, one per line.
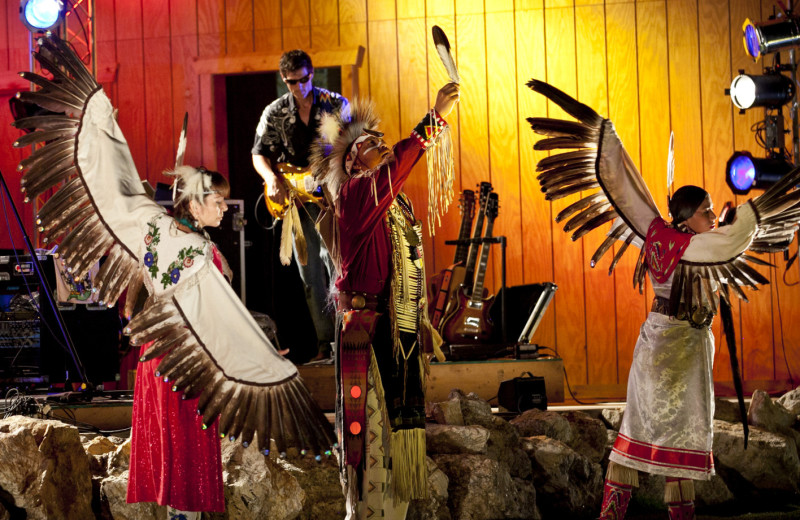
(471, 323)
(294, 178)
(443, 286)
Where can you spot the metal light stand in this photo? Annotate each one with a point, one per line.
(45, 287)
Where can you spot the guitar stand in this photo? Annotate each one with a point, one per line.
(489, 241)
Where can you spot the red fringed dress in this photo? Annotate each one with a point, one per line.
(174, 461)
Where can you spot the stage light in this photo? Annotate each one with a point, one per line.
(770, 90)
(745, 172)
(771, 36)
(41, 15)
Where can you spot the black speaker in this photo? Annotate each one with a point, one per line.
(522, 393)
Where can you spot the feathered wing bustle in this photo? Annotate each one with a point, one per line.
(594, 165)
(212, 348)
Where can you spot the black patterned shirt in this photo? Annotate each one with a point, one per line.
(281, 136)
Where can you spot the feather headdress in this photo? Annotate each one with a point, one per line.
(337, 132)
(196, 184)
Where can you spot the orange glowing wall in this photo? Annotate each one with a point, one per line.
(650, 66)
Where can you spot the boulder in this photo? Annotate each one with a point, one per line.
(535, 422)
(791, 401)
(45, 468)
(435, 506)
(727, 410)
(320, 484)
(446, 412)
(769, 465)
(712, 492)
(589, 435)
(257, 486)
(443, 438)
(768, 415)
(567, 483)
(112, 493)
(612, 417)
(483, 489)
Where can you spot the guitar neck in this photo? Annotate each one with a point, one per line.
(473, 249)
(463, 233)
(477, 288)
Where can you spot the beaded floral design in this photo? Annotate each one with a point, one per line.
(151, 240)
(185, 260)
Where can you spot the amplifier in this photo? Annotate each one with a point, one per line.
(523, 393)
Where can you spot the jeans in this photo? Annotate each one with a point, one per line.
(317, 275)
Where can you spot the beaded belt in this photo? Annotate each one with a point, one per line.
(353, 300)
(700, 318)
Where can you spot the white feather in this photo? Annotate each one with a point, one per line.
(449, 63)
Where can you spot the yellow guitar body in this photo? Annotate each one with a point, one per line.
(294, 178)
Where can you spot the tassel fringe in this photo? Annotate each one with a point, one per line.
(622, 474)
(441, 173)
(409, 471)
(680, 490)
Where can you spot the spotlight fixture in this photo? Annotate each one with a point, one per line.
(769, 90)
(41, 15)
(745, 172)
(770, 36)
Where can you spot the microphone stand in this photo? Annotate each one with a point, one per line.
(46, 289)
(492, 240)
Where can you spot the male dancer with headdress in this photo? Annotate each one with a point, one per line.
(284, 134)
(382, 324)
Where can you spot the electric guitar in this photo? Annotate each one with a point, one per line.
(445, 284)
(486, 189)
(294, 178)
(471, 323)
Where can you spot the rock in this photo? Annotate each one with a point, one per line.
(727, 410)
(435, 506)
(769, 416)
(321, 485)
(791, 401)
(588, 435)
(100, 446)
(650, 493)
(112, 493)
(446, 412)
(769, 464)
(482, 489)
(612, 417)
(535, 422)
(712, 492)
(45, 468)
(258, 487)
(4, 514)
(119, 461)
(567, 483)
(442, 439)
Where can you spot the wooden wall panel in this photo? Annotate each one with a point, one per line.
(536, 216)
(473, 116)
(623, 109)
(412, 87)
(592, 88)
(441, 255)
(717, 124)
(665, 70)
(568, 305)
(504, 142)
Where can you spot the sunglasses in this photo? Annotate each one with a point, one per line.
(304, 79)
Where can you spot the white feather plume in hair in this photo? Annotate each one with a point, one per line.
(190, 184)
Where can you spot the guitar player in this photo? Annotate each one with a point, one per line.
(284, 134)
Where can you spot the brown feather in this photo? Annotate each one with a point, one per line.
(565, 192)
(588, 154)
(579, 205)
(594, 223)
(614, 235)
(586, 215)
(620, 252)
